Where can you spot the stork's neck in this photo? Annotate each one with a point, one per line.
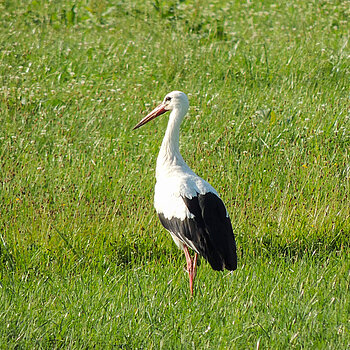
(169, 154)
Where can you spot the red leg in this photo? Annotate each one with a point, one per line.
(195, 265)
(191, 267)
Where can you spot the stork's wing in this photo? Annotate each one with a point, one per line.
(208, 231)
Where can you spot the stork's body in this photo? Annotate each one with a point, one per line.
(188, 206)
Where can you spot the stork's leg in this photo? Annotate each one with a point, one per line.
(195, 265)
(191, 267)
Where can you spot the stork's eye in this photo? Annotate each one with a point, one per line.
(167, 99)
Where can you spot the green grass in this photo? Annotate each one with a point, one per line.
(271, 303)
(84, 261)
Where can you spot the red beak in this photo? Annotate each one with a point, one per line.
(155, 113)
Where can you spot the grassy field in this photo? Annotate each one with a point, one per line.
(84, 261)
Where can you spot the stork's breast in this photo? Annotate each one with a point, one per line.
(170, 191)
(168, 200)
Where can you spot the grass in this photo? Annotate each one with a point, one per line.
(84, 260)
(271, 302)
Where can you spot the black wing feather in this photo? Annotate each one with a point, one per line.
(209, 231)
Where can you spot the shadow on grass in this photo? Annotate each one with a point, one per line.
(316, 245)
(128, 254)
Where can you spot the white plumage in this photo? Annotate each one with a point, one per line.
(188, 206)
(169, 193)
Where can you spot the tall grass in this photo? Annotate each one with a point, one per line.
(268, 126)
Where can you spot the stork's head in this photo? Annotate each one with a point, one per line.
(175, 100)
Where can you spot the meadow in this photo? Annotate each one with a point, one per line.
(84, 261)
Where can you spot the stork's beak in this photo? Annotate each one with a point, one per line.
(155, 113)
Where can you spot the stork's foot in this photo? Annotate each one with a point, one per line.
(191, 267)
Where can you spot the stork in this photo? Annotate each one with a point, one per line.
(188, 206)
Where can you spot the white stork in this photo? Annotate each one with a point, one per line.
(188, 206)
